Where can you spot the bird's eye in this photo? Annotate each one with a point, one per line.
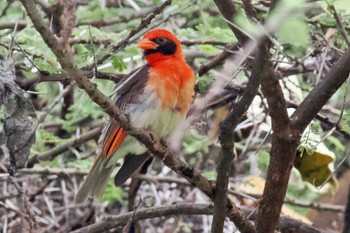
(161, 40)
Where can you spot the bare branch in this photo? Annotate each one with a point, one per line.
(53, 171)
(54, 152)
(226, 137)
(340, 24)
(143, 24)
(154, 212)
(26, 84)
(217, 60)
(120, 19)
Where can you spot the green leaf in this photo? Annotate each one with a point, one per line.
(195, 142)
(345, 127)
(337, 143)
(203, 82)
(295, 32)
(118, 63)
(210, 175)
(113, 194)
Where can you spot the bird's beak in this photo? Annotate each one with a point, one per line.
(147, 44)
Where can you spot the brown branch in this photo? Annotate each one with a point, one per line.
(12, 25)
(339, 23)
(228, 10)
(143, 24)
(217, 60)
(26, 84)
(300, 203)
(286, 137)
(68, 17)
(289, 225)
(197, 42)
(227, 137)
(249, 9)
(53, 171)
(54, 152)
(346, 228)
(113, 221)
(321, 93)
(325, 120)
(147, 213)
(120, 19)
(284, 145)
(151, 142)
(315, 205)
(93, 41)
(305, 204)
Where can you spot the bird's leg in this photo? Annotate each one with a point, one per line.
(165, 149)
(162, 145)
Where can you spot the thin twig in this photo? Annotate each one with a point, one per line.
(74, 142)
(339, 23)
(143, 24)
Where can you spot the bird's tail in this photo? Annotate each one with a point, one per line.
(96, 181)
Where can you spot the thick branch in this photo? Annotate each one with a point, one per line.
(112, 221)
(284, 145)
(227, 140)
(321, 93)
(289, 225)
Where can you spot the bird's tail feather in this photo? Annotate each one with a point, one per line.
(95, 182)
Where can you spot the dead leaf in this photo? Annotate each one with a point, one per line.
(315, 168)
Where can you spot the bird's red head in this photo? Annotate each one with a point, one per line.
(160, 45)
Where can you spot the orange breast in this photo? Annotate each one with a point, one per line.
(173, 81)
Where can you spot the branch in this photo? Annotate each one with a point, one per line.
(346, 228)
(147, 213)
(26, 84)
(143, 24)
(339, 23)
(120, 19)
(315, 205)
(228, 10)
(325, 120)
(227, 137)
(217, 60)
(321, 93)
(249, 9)
(54, 152)
(53, 171)
(12, 25)
(113, 221)
(288, 225)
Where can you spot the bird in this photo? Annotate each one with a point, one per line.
(156, 97)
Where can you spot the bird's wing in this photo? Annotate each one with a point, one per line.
(128, 91)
